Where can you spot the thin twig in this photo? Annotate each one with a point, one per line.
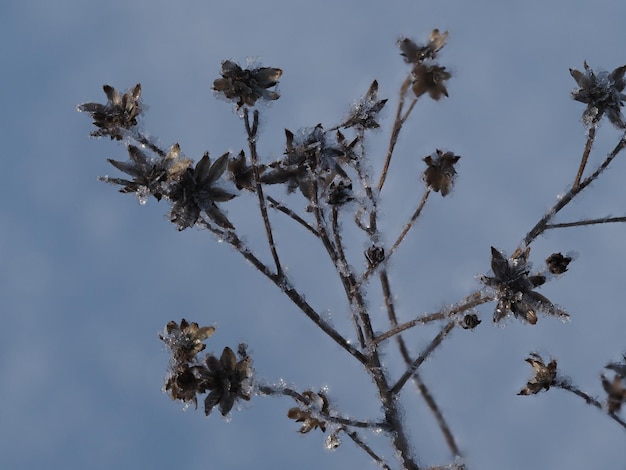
(583, 161)
(410, 223)
(417, 380)
(540, 226)
(565, 385)
(372, 267)
(580, 223)
(358, 441)
(252, 134)
(397, 127)
(274, 204)
(333, 418)
(428, 318)
(367, 186)
(283, 284)
(436, 341)
(143, 140)
(341, 266)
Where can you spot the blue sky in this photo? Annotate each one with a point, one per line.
(89, 277)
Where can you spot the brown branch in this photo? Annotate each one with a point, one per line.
(436, 341)
(252, 134)
(428, 318)
(333, 418)
(540, 226)
(359, 442)
(580, 223)
(565, 385)
(410, 223)
(283, 284)
(285, 210)
(583, 161)
(417, 380)
(397, 127)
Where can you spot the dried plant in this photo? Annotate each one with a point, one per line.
(326, 188)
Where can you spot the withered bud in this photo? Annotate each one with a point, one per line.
(557, 263)
(375, 255)
(470, 321)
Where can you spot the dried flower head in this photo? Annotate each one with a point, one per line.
(246, 86)
(310, 157)
(544, 378)
(440, 173)
(514, 288)
(151, 176)
(310, 412)
(185, 340)
(227, 379)
(309, 422)
(183, 384)
(427, 76)
(241, 173)
(196, 191)
(414, 54)
(365, 112)
(119, 112)
(431, 79)
(616, 393)
(602, 93)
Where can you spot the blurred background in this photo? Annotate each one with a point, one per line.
(89, 277)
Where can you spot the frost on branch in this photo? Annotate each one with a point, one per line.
(331, 170)
(365, 112)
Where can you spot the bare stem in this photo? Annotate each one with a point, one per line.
(341, 266)
(419, 383)
(359, 442)
(410, 223)
(583, 161)
(580, 223)
(403, 234)
(428, 318)
(397, 127)
(565, 385)
(281, 281)
(285, 210)
(540, 226)
(436, 341)
(143, 140)
(252, 134)
(365, 182)
(274, 390)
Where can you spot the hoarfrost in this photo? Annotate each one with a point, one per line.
(333, 441)
(143, 193)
